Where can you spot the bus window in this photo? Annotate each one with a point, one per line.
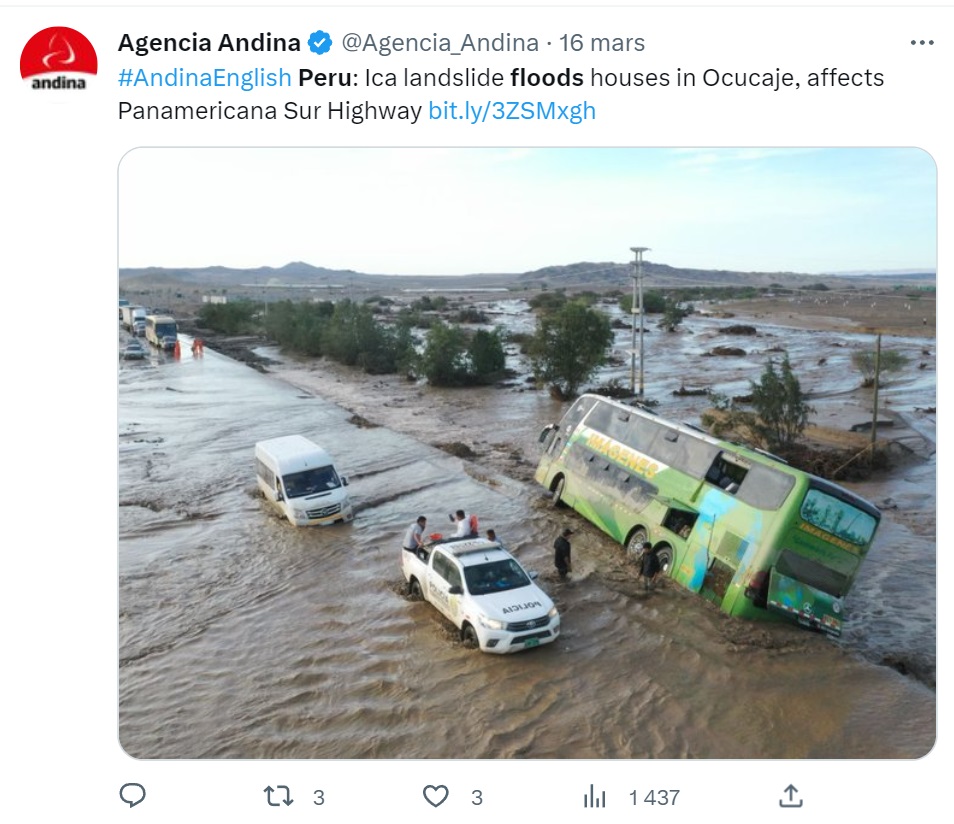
(793, 565)
(765, 487)
(577, 412)
(680, 521)
(552, 439)
(838, 518)
(725, 473)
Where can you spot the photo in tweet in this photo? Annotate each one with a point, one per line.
(726, 354)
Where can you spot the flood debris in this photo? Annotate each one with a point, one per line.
(740, 329)
(458, 450)
(725, 352)
(362, 422)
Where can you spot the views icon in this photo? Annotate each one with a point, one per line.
(57, 58)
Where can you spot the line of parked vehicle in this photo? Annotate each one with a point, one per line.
(160, 330)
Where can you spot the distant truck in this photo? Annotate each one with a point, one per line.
(162, 331)
(484, 592)
(301, 480)
(134, 319)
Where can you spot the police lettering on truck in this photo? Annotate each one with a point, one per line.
(485, 592)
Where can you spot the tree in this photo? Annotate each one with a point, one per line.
(236, 318)
(547, 302)
(673, 315)
(653, 303)
(444, 359)
(889, 361)
(487, 357)
(355, 337)
(405, 349)
(780, 406)
(341, 337)
(298, 326)
(569, 345)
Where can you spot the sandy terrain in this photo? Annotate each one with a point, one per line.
(891, 313)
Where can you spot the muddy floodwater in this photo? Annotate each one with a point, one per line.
(241, 636)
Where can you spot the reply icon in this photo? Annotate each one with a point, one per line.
(132, 794)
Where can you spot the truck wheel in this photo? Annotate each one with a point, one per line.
(468, 636)
(414, 590)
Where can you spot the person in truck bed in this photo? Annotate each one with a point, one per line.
(414, 537)
(466, 527)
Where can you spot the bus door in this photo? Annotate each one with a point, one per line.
(806, 592)
(716, 582)
(705, 568)
(713, 551)
(690, 570)
(708, 545)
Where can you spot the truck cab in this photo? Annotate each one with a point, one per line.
(485, 592)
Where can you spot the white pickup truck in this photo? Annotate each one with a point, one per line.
(482, 589)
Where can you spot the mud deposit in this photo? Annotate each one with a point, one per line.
(243, 637)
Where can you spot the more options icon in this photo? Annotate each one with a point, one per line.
(132, 794)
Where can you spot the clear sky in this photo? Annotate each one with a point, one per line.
(461, 211)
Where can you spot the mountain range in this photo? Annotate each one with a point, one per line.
(583, 275)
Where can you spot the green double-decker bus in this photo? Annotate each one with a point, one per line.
(738, 526)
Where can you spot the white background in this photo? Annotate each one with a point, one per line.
(60, 167)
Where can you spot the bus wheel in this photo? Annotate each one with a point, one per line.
(468, 635)
(664, 553)
(558, 492)
(634, 546)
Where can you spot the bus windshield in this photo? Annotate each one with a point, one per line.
(838, 518)
(311, 481)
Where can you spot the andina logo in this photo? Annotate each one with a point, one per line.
(55, 58)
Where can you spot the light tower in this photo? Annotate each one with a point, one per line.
(637, 284)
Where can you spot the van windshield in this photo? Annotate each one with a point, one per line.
(311, 482)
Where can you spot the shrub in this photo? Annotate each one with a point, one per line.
(779, 406)
(889, 361)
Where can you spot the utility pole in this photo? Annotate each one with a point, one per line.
(637, 304)
(877, 381)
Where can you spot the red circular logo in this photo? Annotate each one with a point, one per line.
(57, 50)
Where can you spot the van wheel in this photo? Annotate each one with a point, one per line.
(414, 590)
(634, 546)
(558, 493)
(468, 636)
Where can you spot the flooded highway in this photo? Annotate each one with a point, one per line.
(240, 636)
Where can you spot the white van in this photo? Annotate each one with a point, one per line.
(300, 478)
